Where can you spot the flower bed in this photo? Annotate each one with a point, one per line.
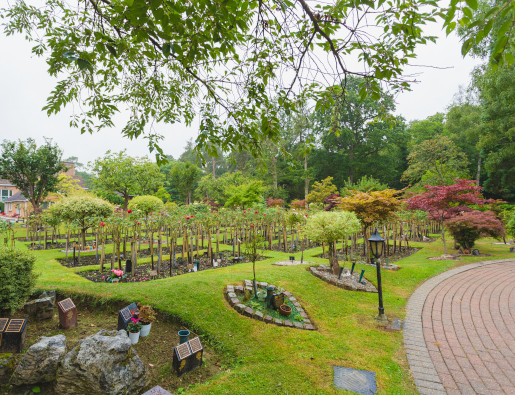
(346, 281)
(257, 310)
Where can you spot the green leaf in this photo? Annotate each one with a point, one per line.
(112, 50)
(499, 45)
(465, 48)
(83, 64)
(166, 49)
(472, 4)
(36, 389)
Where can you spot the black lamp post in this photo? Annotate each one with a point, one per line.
(377, 247)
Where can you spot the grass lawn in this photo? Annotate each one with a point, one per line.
(263, 358)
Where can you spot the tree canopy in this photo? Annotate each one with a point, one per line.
(231, 61)
(33, 170)
(118, 172)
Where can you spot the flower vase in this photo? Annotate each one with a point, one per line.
(134, 336)
(145, 330)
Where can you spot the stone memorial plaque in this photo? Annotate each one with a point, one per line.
(3, 324)
(277, 300)
(153, 273)
(125, 315)
(359, 381)
(181, 353)
(67, 314)
(189, 267)
(197, 351)
(13, 336)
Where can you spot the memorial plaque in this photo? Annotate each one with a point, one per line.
(67, 314)
(475, 252)
(180, 358)
(13, 335)
(196, 353)
(153, 273)
(277, 300)
(3, 325)
(125, 315)
(128, 266)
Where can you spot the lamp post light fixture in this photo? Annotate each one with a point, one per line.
(377, 248)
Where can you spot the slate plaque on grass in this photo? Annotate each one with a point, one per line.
(359, 381)
(125, 315)
(181, 353)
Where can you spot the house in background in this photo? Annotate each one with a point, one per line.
(17, 204)
(7, 189)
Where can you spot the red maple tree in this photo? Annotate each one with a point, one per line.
(443, 202)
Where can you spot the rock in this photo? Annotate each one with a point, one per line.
(425, 238)
(104, 363)
(7, 362)
(448, 256)
(40, 309)
(39, 364)
(46, 294)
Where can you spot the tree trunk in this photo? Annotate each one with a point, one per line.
(478, 177)
(274, 169)
(306, 180)
(125, 202)
(214, 171)
(443, 239)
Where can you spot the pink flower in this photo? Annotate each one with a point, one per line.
(103, 277)
(102, 224)
(264, 214)
(134, 319)
(244, 211)
(129, 211)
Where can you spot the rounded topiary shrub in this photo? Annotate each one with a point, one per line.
(17, 278)
(146, 204)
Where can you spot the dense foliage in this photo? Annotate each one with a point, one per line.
(467, 227)
(17, 278)
(32, 169)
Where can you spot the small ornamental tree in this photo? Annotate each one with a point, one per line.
(329, 226)
(444, 202)
(271, 202)
(321, 190)
(371, 207)
(299, 204)
(467, 227)
(146, 204)
(83, 210)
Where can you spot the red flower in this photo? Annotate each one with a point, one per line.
(129, 211)
(255, 212)
(251, 226)
(138, 223)
(244, 211)
(191, 216)
(102, 224)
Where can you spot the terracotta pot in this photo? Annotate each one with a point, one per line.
(285, 310)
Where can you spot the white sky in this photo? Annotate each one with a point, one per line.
(25, 85)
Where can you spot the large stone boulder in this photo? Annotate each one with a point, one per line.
(104, 363)
(39, 364)
(41, 309)
(7, 362)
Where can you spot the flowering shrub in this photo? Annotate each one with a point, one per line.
(116, 274)
(134, 326)
(469, 226)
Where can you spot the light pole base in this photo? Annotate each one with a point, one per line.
(382, 319)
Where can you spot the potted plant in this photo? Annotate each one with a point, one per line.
(116, 275)
(285, 310)
(146, 317)
(134, 328)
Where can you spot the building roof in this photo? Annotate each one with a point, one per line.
(81, 182)
(5, 182)
(17, 197)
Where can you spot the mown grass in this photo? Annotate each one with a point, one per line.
(279, 360)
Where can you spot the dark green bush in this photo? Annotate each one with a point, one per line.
(16, 277)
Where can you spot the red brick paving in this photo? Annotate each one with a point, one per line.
(468, 325)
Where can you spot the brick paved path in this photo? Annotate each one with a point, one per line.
(459, 331)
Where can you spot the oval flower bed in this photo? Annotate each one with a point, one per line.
(253, 308)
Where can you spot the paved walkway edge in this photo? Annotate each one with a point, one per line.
(420, 363)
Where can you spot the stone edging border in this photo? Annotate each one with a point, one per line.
(340, 284)
(420, 363)
(231, 291)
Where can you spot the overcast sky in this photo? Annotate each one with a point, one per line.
(25, 85)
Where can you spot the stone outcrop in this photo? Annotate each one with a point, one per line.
(41, 309)
(39, 364)
(7, 362)
(104, 363)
